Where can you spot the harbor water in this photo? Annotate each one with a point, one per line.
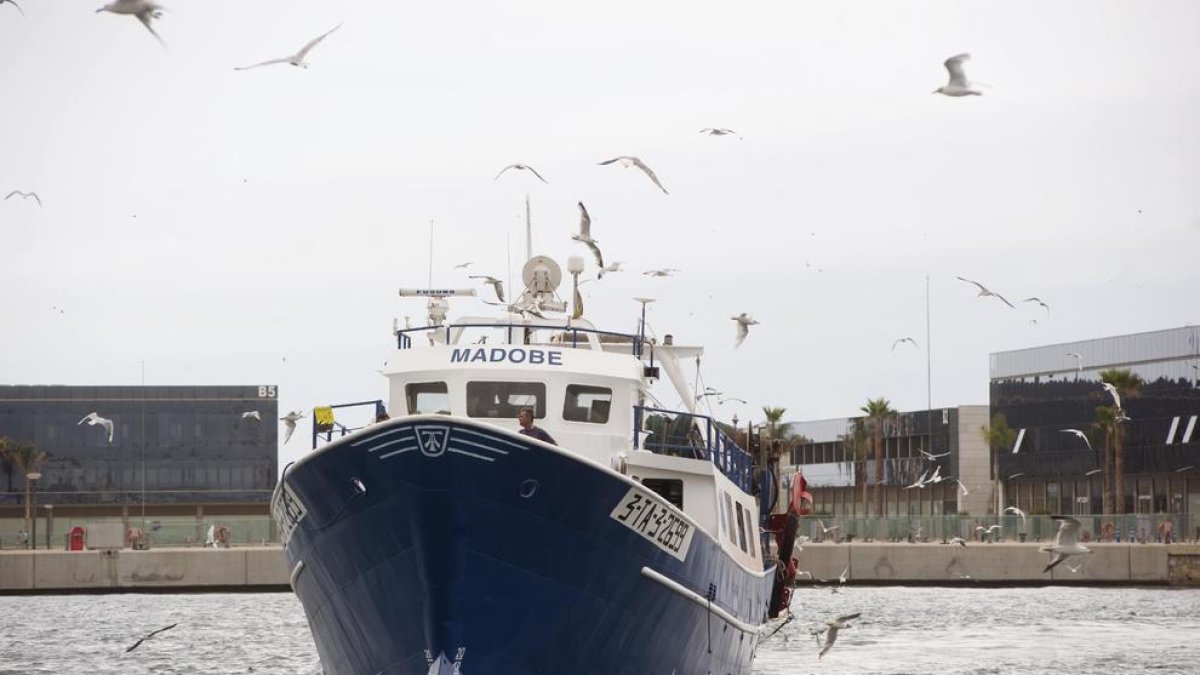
(902, 630)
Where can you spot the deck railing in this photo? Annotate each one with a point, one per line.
(671, 432)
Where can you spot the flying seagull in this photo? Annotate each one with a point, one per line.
(832, 627)
(1093, 472)
(585, 235)
(958, 85)
(722, 399)
(289, 421)
(94, 419)
(1112, 391)
(628, 161)
(1066, 542)
(495, 283)
(711, 131)
(1078, 361)
(149, 636)
(664, 272)
(144, 10)
(903, 340)
(614, 266)
(1080, 434)
(252, 415)
(463, 266)
(960, 541)
(965, 492)
(296, 59)
(14, 4)
(1019, 512)
(1040, 302)
(744, 321)
(827, 530)
(933, 456)
(521, 167)
(983, 291)
(920, 482)
(18, 193)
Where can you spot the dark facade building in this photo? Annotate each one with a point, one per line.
(1045, 392)
(172, 451)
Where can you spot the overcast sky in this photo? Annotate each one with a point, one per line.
(211, 223)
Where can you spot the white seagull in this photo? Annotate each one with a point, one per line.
(902, 340)
(148, 636)
(1078, 433)
(18, 193)
(296, 59)
(920, 482)
(933, 456)
(94, 419)
(1066, 542)
(832, 627)
(1112, 391)
(960, 541)
(628, 161)
(744, 321)
(711, 131)
(958, 85)
(965, 492)
(495, 283)
(252, 415)
(827, 530)
(983, 291)
(144, 10)
(664, 272)
(585, 235)
(289, 421)
(1019, 512)
(1078, 361)
(614, 266)
(14, 4)
(521, 167)
(463, 266)
(1038, 301)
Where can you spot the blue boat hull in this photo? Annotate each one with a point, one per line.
(436, 545)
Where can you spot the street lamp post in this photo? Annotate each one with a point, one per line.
(31, 505)
(49, 525)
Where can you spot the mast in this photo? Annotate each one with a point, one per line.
(528, 231)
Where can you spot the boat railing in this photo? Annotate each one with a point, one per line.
(325, 423)
(682, 434)
(572, 335)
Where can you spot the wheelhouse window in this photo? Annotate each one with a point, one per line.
(586, 403)
(505, 399)
(427, 398)
(729, 515)
(741, 527)
(670, 489)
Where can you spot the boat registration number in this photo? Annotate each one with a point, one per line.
(655, 521)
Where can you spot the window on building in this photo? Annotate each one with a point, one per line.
(586, 403)
(427, 398)
(670, 489)
(503, 400)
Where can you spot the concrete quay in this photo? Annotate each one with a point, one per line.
(263, 568)
(242, 568)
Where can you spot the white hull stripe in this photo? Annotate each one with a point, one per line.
(406, 439)
(481, 446)
(471, 454)
(488, 437)
(375, 437)
(397, 452)
(699, 600)
(1171, 433)
(1187, 435)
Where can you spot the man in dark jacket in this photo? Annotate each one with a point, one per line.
(525, 417)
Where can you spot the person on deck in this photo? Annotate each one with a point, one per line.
(525, 417)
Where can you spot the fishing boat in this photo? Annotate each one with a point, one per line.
(623, 538)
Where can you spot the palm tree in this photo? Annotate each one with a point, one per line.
(1106, 423)
(877, 411)
(775, 429)
(1128, 385)
(27, 458)
(999, 437)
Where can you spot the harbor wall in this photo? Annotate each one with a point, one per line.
(264, 567)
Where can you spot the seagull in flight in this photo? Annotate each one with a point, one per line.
(521, 167)
(711, 131)
(1112, 391)
(148, 636)
(1078, 361)
(958, 85)
(744, 321)
(960, 541)
(933, 456)
(495, 283)
(18, 193)
(1040, 302)
(296, 59)
(14, 4)
(920, 482)
(983, 291)
(628, 161)
(827, 530)
(965, 492)
(1066, 542)
(252, 415)
(614, 266)
(1080, 434)
(93, 419)
(289, 421)
(1093, 472)
(463, 266)
(144, 10)
(1019, 512)
(722, 399)
(832, 626)
(664, 272)
(585, 235)
(903, 340)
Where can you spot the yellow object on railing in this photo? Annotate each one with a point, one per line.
(324, 418)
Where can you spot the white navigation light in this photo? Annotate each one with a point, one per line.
(575, 264)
